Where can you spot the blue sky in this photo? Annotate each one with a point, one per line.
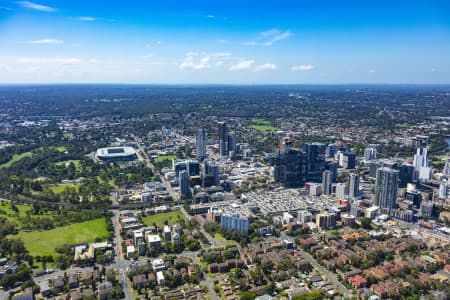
(237, 42)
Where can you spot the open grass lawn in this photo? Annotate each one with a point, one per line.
(263, 128)
(16, 158)
(222, 239)
(45, 242)
(260, 122)
(165, 157)
(58, 189)
(171, 217)
(61, 149)
(66, 163)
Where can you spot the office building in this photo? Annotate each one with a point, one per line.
(289, 168)
(331, 150)
(201, 143)
(348, 220)
(386, 188)
(185, 190)
(232, 142)
(234, 222)
(214, 171)
(414, 196)
(326, 220)
(348, 160)
(427, 209)
(422, 166)
(315, 189)
(304, 216)
(340, 190)
(444, 189)
(326, 182)
(332, 167)
(223, 139)
(370, 153)
(315, 160)
(446, 169)
(353, 190)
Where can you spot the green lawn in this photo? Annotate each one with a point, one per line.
(171, 217)
(45, 242)
(16, 158)
(61, 149)
(260, 122)
(222, 239)
(66, 163)
(58, 189)
(165, 157)
(263, 128)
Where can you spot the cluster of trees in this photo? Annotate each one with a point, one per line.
(9, 280)
(13, 249)
(47, 218)
(6, 227)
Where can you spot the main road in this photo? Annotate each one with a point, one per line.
(119, 262)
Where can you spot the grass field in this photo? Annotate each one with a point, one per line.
(260, 122)
(222, 239)
(45, 242)
(165, 157)
(158, 219)
(66, 163)
(16, 158)
(58, 189)
(263, 128)
(61, 149)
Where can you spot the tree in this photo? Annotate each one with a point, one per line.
(247, 296)
(366, 223)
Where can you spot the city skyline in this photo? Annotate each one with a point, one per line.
(225, 43)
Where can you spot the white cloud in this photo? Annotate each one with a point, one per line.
(307, 67)
(145, 56)
(200, 61)
(35, 6)
(265, 67)
(87, 19)
(210, 16)
(48, 60)
(269, 37)
(372, 71)
(243, 65)
(45, 42)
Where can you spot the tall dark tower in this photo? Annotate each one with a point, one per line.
(315, 160)
(223, 138)
(289, 165)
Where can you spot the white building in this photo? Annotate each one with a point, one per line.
(422, 166)
(287, 218)
(340, 190)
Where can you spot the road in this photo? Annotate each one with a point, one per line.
(119, 262)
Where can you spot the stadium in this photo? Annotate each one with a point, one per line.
(112, 154)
